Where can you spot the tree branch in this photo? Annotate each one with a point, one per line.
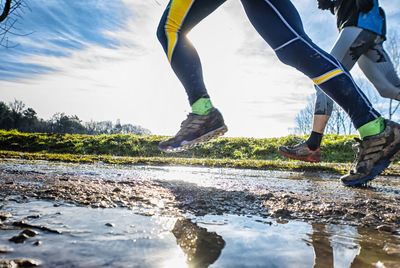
(6, 10)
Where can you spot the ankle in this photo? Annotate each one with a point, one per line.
(202, 106)
(314, 141)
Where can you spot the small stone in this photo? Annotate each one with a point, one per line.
(19, 239)
(103, 204)
(110, 224)
(26, 263)
(5, 249)
(37, 243)
(29, 232)
(392, 249)
(385, 228)
(36, 216)
(4, 216)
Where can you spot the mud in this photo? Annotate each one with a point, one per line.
(375, 207)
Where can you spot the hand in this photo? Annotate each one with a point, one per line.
(365, 6)
(325, 4)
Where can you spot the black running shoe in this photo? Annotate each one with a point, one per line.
(194, 130)
(375, 153)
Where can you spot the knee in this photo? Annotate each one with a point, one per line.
(324, 107)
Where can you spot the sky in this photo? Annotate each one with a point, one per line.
(101, 60)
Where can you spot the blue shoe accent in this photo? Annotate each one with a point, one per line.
(375, 172)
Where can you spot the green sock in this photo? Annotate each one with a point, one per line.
(202, 106)
(372, 128)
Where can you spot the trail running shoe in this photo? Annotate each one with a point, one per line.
(374, 154)
(194, 130)
(301, 152)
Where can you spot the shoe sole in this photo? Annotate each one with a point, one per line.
(379, 168)
(190, 144)
(301, 158)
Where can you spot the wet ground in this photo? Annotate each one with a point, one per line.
(67, 215)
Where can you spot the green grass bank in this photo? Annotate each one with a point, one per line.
(133, 149)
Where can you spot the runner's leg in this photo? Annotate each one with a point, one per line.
(178, 19)
(378, 68)
(349, 37)
(279, 23)
(205, 122)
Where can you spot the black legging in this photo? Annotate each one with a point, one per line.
(279, 23)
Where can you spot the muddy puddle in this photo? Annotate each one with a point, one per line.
(67, 215)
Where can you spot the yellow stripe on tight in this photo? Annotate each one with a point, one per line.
(327, 76)
(177, 13)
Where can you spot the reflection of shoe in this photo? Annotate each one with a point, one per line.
(202, 248)
(301, 152)
(374, 154)
(195, 129)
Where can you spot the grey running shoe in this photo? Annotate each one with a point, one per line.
(301, 152)
(375, 153)
(195, 129)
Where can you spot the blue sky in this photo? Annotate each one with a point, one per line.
(100, 60)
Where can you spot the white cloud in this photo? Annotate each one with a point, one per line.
(258, 95)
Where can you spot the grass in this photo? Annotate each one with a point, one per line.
(127, 149)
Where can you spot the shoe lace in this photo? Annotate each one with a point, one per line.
(366, 151)
(190, 123)
(358, 148)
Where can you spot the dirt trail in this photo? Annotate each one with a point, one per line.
(308, 197)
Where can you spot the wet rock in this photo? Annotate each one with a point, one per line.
(358, 214)
(7, 264)
(110, 224)
(103, 204)
(4, 216)
(385, 228)
(19, 239)
(267, 196)
(26, 263)
(24, 224)
(281, 212)
(392, 249)
(36, 216)
(5, 249)
(250, 197)
(29, 233)
(37, 243)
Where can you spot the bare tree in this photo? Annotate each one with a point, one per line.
(339, 122)
(16, 106)
(11, 12)
(304, 119)
(6, 10)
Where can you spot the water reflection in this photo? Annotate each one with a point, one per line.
(321, 245)
(202, 248)
(380, 249)
(353, 247)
